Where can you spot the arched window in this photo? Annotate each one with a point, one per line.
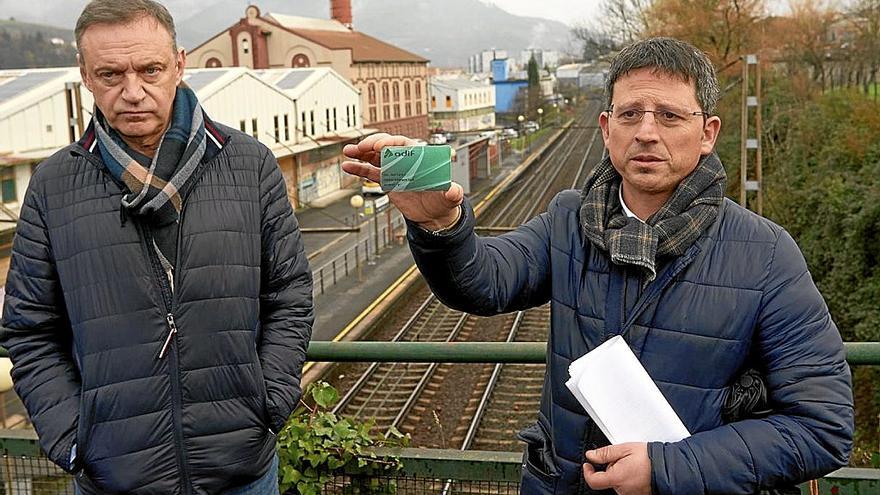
(418, 90)
(406, 92)
(300, 60)
(385, 92)
(395, 90)
(213, 62)
(371, 93)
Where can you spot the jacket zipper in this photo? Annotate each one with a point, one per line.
(170, 349)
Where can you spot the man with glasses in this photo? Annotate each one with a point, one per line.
(701, 289)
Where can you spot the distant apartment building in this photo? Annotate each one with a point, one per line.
(481, 63)
(544, 58)
(391, 81)
(460, 105)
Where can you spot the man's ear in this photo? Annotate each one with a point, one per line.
(710, 134)
(603, 124)
(181, 63)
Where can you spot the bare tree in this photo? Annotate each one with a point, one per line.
(594, 43)
(863, 19)
(808, 39)
(626, 20)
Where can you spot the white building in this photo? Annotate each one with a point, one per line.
(238, 98)
(41, 111)
(460, 105)
(584, 76)
(329, 115)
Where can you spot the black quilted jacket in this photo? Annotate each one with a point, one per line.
(88, 310)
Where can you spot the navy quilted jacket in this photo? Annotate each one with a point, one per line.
(741, 292)
(87, 311)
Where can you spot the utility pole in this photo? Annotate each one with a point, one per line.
(751, 103)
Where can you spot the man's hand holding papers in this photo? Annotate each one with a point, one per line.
(627, 469)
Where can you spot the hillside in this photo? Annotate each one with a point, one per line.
(25, 45)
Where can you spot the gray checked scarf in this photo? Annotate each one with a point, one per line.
(670, 231)
(157, 192)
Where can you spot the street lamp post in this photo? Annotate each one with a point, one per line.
(521, 119)
(541, 117)
(357, 202)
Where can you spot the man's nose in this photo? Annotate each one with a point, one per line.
(648, 129)
(132, 89)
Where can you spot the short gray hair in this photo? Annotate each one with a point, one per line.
(672, 57)
(124, 12)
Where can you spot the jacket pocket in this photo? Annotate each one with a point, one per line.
(87, 404)
(261, 389)
(540, 471)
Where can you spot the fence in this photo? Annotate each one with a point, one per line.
(374, 239)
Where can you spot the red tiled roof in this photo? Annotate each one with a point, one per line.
(364, 48)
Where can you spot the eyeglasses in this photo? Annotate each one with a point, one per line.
(666, 117)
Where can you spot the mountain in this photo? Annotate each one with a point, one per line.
(446, 33)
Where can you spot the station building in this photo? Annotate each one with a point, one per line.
(327, 111)
(392, 81)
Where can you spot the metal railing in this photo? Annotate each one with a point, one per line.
(369, 243)
(857, 353)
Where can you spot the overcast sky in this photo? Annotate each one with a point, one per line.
(568, 11)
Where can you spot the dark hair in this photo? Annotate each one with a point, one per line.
(670, 56)
(123, 12)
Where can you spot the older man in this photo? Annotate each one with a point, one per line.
(159, 303)
(699, 287)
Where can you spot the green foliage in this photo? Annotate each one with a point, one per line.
(315, 442)
(532, 70)
(822, 183)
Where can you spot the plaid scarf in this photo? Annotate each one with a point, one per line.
(691, 209)
(156, 193)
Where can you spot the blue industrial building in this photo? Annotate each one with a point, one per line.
(506, 89)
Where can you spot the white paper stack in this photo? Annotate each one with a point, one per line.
(618, 394)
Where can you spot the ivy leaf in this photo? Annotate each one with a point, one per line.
(290, 475)
(325, 395)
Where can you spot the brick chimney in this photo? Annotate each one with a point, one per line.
(340, 10)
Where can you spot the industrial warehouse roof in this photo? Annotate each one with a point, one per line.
(207, 82)
(295, 82)
(458, 83)
(21, 88)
